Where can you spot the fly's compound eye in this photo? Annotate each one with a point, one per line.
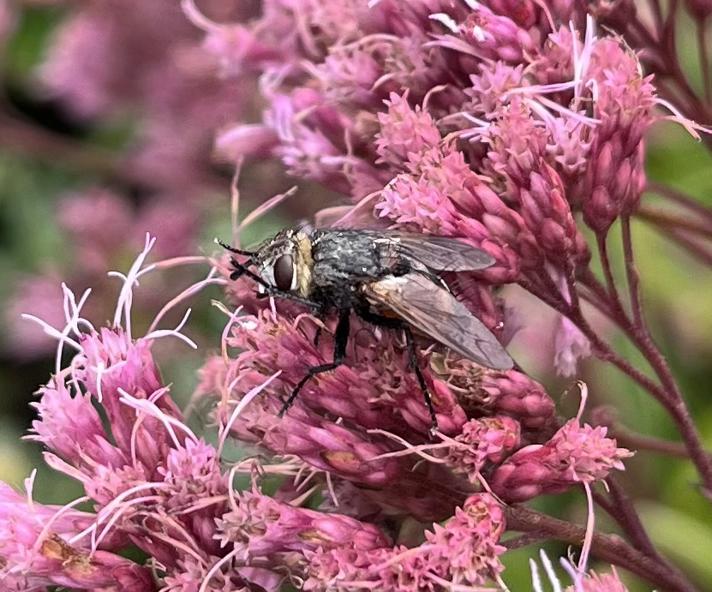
(284, 276)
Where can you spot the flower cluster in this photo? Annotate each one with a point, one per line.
(511, 125)
(108, 420)
(491, 123)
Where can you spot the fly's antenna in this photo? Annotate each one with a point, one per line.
(233, 249)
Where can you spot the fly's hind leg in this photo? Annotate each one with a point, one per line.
(381, 321)
(413, 360)
(341, 340)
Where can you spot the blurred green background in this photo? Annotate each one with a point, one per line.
(46, 153)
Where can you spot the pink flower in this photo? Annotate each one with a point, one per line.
(374, 388)
(489, 439)
(593, 582)
(111, 364)
(71, 427)
(464, 551)
(575, 454)
(405, 133)
(195, 490)
(259, 526)
(35, 551)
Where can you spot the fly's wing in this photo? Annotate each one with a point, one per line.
(437, 313)
(439, 253)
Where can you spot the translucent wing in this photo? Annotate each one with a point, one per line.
(439, 253)
(434, 311)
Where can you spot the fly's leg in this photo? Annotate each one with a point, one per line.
(341, 340)
(413, 361)
(381, 321)
(317, 336)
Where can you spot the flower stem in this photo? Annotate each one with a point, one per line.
(608, 547)
(632, 275)
(679, 197)
(631, 439)
(695, 249)
(666, 220)
(704, 58)
(667, 392)
(613, 295)
(630, 521)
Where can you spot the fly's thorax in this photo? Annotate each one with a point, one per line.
(284, 262)
(304, 262)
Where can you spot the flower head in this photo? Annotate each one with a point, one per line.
(575, 454)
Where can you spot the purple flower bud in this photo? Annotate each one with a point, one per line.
(495, 37)
(523, 12)
(575, 454)
(623, 105)
(330, 447)
(253, 140)
(481, 391)
(613, 13)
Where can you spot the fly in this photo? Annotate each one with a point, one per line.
(388, 278)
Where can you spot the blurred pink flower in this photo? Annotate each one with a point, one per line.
(102, 230)
(40, 295)
(117, 59)
(7, 21)
(701, 9)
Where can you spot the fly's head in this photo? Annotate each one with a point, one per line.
(276, 261)
(282, 262)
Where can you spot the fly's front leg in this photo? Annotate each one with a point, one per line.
(341, 340)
